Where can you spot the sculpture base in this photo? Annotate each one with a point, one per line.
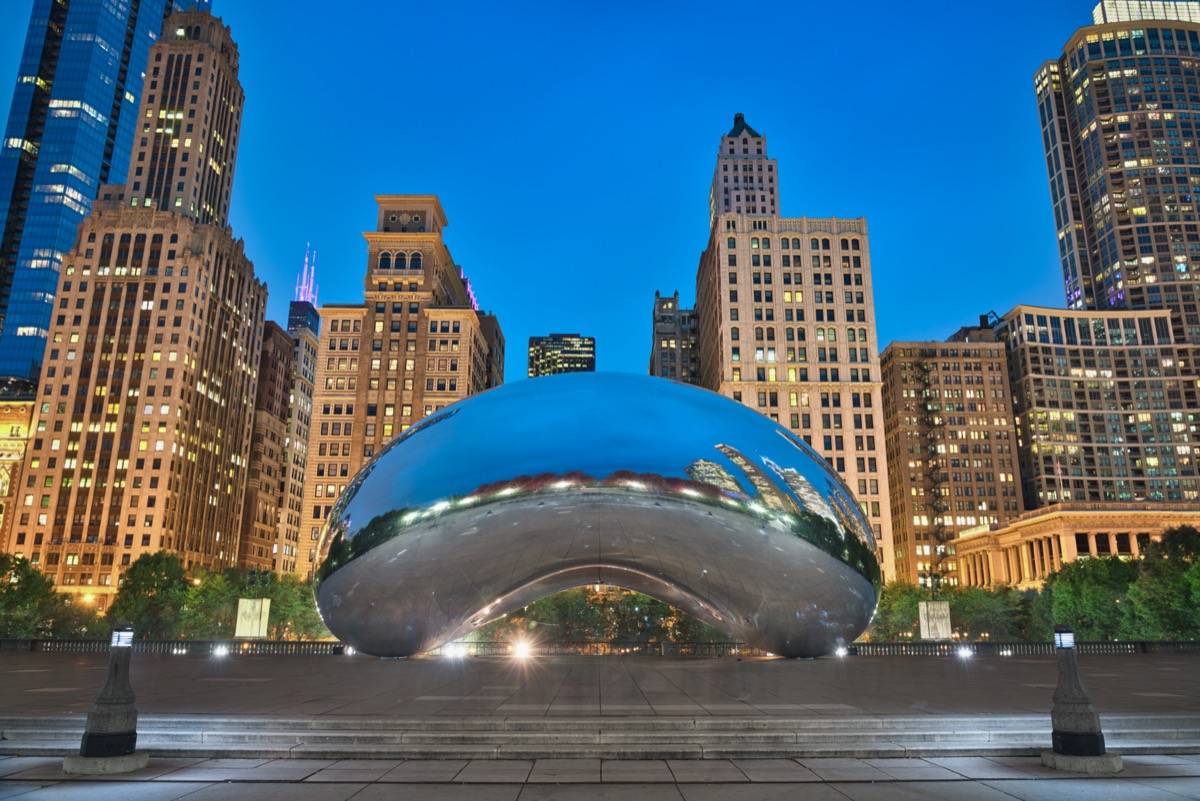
(1105, 763)
(105, 766)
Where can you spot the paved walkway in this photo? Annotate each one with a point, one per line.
(43, 684)
(1145, 778)
(40, 683)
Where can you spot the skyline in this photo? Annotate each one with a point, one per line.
(936, 194)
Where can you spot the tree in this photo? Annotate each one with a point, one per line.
(897, 615)
(210, 611)
(293, 614)
(1160, 604)
(26, 596)
(30, 607)
(152, 596)
(1000, 614)
(1087, 595)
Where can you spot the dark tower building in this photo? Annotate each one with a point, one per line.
(70, 130)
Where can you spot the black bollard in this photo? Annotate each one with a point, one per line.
(1076, 738)
(110, 736)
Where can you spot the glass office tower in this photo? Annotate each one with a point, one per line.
(70, 130)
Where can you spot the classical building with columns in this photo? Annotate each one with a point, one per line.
(1024, 552)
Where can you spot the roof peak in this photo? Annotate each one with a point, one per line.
(740, 127)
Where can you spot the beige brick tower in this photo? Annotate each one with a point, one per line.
(786, 321)
(145, 413)
(414, 345)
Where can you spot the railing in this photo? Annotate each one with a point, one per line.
(676, 649)
(184, 647)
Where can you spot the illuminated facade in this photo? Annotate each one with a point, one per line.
(786, 321)
(951, 446)
(1024, 552)
(70, 129)
(146, 407)
(17, 400)
(555, 354)
(415, 345)
(1122, 139)
(1104, 411)
(674, 350)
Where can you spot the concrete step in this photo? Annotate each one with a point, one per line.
(603, 737)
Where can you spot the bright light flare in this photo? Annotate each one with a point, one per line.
(842, 651)
(221, 651)
(521, 650)
(965, 652)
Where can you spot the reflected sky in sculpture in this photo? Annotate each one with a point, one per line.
(634, 481)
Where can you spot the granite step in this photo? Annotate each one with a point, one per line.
(598, 737)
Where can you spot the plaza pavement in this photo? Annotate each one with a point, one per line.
(37, 684)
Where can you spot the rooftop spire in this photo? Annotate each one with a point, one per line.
(740, 127)
(306, 286)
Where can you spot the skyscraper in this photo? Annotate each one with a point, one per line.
(674, 350)
(304, 324)
(1121, 133)
(70, 130)
(143, 431)
(416, 344)
(786, 321)
(554, 354)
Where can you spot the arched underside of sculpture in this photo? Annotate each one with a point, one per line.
(628, 481)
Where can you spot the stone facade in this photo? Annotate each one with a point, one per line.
(786, 322)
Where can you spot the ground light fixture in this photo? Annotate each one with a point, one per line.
(841, 651)
(964, 652)
(521, 649)
(221, 651)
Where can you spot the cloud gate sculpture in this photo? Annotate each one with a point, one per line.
(591, 478)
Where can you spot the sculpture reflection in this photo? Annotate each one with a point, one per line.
(552, 483)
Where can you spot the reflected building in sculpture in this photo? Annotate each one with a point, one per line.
(504, 498)
(785, 319)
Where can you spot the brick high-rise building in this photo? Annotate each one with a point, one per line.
(1122, 140)
(786, 321)
(416, 344)
(674, 351)
(951, 448)
(143, 427)
(70, 129)
(555, 354)
(266, 478)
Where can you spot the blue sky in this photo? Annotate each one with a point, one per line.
(572, 146)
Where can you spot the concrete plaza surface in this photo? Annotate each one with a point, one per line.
(1145, 778)
(947, 691)
(49, 683)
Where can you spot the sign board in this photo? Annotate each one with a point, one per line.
(935, 620)
(252, 617)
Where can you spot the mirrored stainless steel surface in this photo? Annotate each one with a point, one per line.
(592, 478)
